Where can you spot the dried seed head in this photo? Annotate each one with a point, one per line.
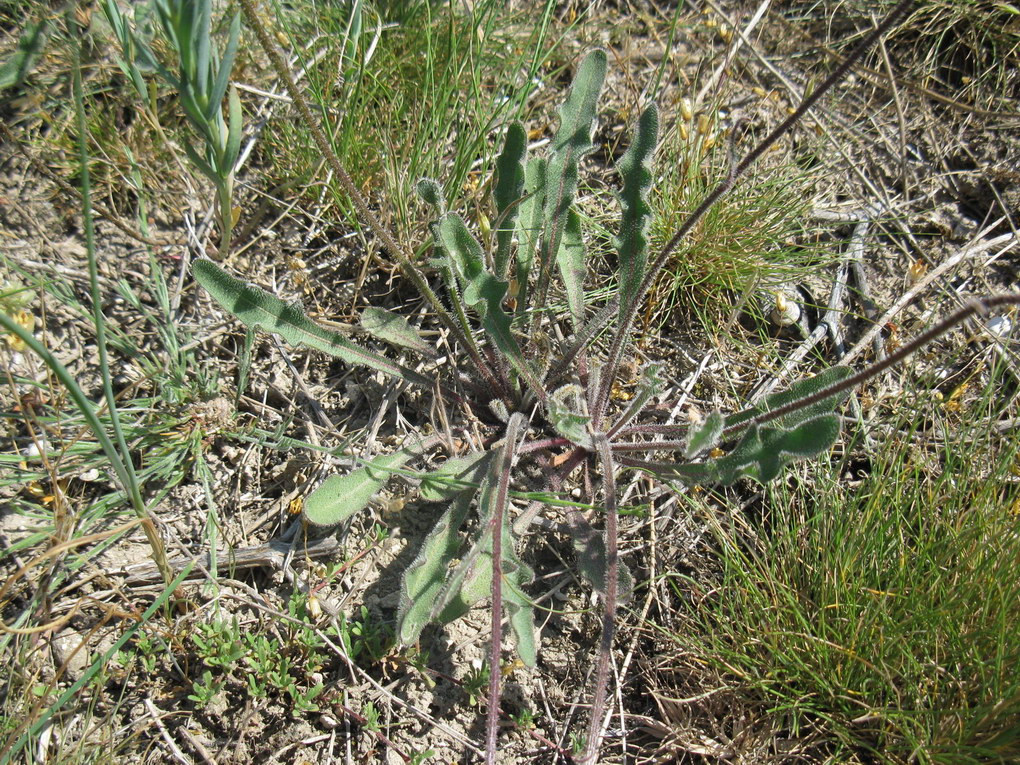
(786, 311)
(686, 110)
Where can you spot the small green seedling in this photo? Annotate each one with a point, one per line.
(200, 75)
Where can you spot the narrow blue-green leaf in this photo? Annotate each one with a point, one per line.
(423, 580)
(234, 130)
(632, 241)
(571, 142)
(201, 164)
(255, 307)
(507, 193)
(200, 34)
(705, 435)
(573, 267)
(341, 496)
(395, 329)
(226, 64)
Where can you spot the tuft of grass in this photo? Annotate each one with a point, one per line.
(884, 614)
(754, 239)
(439, 83)
(963, 50)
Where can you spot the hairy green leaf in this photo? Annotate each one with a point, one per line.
(529, 226)
(341, 496)
(395, 329)
(507, 193)
(451, 478)
(799, 390)
(430, 191)
(424, 579)
(567, 414)
(705, 435)
(632, 241)
(761, 453)
(573, 267)
(255, 307)
(482, 291)
(590, 548)
(571, 142)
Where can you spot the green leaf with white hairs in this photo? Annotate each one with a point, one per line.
(341, 496)
(761, 453)
(395, 329)
(705, 435)
(590, 549)
(573, 267)
(632, 241)
(799, 390)
(432, 193)
(454, 476)
(424, 579)
(529, 226)
(572, 141)
(507, 193)
(256, 308)
(482, 291)
(568, 415)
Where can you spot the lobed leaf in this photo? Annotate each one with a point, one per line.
(799, 390)
(481, 290)
(572, 141)
(761, 453)
(256, 308)
(632, 241)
